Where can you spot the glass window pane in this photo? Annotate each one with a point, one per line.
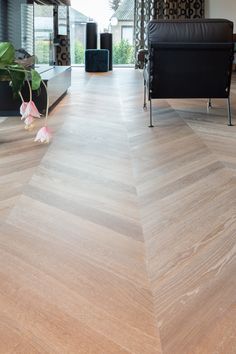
(77, 35)
(127, 34)
(43, 23)
(116, 17)
(62, 20)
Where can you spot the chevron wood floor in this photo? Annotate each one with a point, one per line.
(117, 238)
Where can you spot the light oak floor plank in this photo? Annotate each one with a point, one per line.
(187, 192)
(74, 241)
(117, 238)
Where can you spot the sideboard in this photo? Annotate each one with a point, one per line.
(57, 79)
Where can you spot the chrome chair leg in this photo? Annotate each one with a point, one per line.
(150, 124)
(209, 104)
(145, 96)
(229, 112)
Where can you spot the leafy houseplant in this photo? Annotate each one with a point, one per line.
(17, 72)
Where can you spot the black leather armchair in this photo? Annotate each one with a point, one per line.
(189, 59)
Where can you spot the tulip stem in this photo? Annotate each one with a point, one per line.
(22, 99)
(30, 89)
(47, 108)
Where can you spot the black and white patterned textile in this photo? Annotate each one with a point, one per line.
(63, 48)
(162, 9)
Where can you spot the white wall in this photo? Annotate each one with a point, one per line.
(221, 9)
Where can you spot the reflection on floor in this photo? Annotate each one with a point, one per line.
(117, 238)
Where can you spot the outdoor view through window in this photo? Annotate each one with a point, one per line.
(114, 16)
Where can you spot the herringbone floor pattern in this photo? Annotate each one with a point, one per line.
(117, 238)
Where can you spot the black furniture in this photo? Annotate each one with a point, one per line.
(91, 35)
(96, 60)
(189, 59)
(57, 79)
(106, 43)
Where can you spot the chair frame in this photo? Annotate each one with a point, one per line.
(148, 90)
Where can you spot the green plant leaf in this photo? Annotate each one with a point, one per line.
(36, 79)
(7, 53)
(16, 67)
(17, 80)
(4, 75)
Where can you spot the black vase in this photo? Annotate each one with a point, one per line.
(106, 43)
(91, 35)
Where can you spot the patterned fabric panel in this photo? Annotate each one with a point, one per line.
(162, 9)
(183, 9)
(63, 49)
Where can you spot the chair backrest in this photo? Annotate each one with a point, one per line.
(190, 58)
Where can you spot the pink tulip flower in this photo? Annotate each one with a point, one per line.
(44, 135)
(29, 122)
(23, 108)
(31, 110)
